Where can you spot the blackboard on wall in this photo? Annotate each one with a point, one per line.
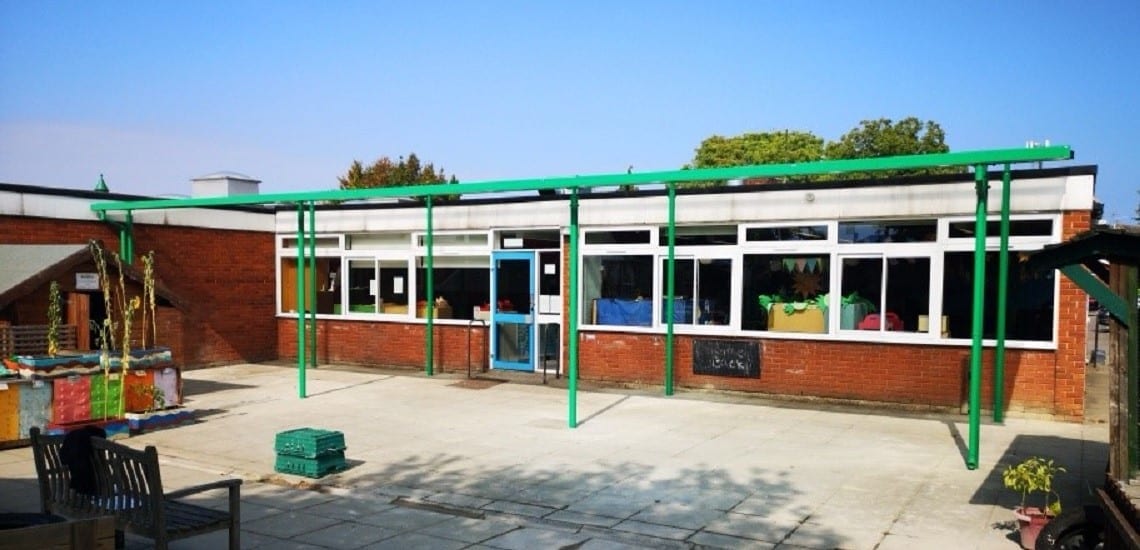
(739, 358)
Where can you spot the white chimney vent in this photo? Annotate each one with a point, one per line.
(223, 184)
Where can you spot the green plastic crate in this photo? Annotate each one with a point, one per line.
(309, 443)
(311, 467)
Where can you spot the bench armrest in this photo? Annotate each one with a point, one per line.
(232, 484)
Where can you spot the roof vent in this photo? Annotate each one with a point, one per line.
(223, 184)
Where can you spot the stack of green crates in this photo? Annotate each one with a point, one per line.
(309, 452)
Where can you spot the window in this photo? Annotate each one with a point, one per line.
(786, 233)
(616, 290)
(328, 285)
(633, 236)
(703, 291)
(454, 240)
(785, 293)
(460, 283)
(322, 242)
(1017, 228)
(379, 241)
(1030, 304)
(362, 286)
(884, 293)
(702, 235)
(893, 231)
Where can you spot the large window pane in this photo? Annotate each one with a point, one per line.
(684, 286)
(785, 293)
(905, 305)
(1029, 313)
(460, 284)
(328, 285)
(616, 290)
(393, 286)
(362, 286)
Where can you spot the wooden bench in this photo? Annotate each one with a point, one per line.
(128, 486)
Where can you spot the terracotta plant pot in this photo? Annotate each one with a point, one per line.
(1030, 521)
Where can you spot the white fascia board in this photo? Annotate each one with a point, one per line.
(76, 208)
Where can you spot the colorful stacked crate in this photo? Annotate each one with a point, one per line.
(138, 397)
(106, 395)
(72, 401)
(166, 379)
(309, 452)
(9, 412)
(35, 407)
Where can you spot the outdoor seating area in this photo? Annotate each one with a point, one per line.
(83, 476)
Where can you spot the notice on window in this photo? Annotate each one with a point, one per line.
(549, 269)
(397, 285)
(372, 287)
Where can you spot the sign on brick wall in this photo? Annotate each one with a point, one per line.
(740, 358)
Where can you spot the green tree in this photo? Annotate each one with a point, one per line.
(885, 138)
(759, 148)
(385, 173)
(778, 147)
(871, 138)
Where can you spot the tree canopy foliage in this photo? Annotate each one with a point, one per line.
(385, 173)
(871, 138)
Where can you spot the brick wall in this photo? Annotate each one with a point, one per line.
(227, 278)
(388, 344)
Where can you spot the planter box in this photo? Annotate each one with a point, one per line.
(154, 420)
(40, 366)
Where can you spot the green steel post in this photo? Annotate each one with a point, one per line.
(429, 365)
(572, 378)
(313, 284)
(301, 300)
(670, 287)
(129, 241)
(1002, 297)
(981, 184)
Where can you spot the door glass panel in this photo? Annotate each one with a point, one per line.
(512, 286)
(512, 343)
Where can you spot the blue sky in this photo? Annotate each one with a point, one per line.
(152, 94)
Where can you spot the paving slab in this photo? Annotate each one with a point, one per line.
(533, 537)
(288, 524)
(654, 530)
(346, 535)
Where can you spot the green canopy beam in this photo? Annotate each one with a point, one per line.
(964, 158)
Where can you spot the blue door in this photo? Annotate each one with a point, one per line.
(512, 310)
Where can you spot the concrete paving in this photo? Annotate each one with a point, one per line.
(441, 463)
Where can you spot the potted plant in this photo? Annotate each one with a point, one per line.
(1034, 474)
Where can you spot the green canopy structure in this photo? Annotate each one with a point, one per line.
(304, 202)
